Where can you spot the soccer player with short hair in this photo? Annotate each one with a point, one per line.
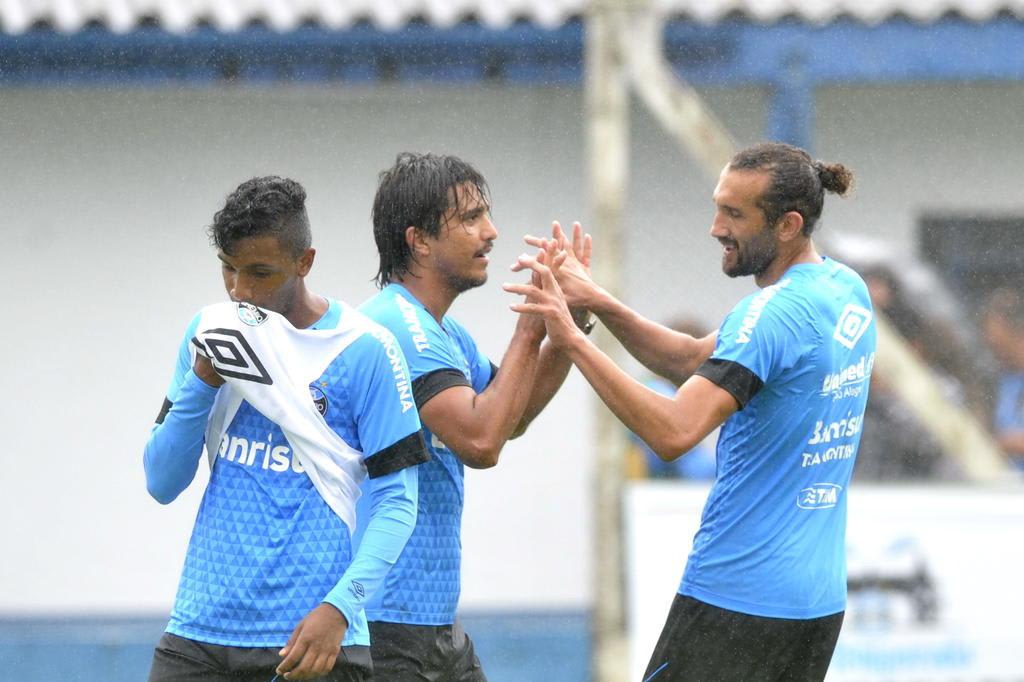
(764, 590)
(272, 587)
(432, 226)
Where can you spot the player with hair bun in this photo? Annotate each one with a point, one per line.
(786, 377)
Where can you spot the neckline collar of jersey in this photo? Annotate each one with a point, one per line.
(331, 316)
(409, 296)
(825, 262)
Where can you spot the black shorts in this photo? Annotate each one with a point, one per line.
(704, 643)
(184, 660)
(423, 653)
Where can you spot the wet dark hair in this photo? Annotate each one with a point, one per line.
(416, 192)
(798, 182)
(265, 206)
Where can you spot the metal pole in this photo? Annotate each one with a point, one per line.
(606, 89)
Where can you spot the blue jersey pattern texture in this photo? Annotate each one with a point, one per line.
(266, 549)
(423, 587)
(772, 535)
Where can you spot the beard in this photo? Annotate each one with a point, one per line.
(461, 283)
(753, 256)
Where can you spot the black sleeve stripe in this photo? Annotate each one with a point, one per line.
(164, 409)
(494, 373)
(406, 452)
(733, 377)
(428, 385)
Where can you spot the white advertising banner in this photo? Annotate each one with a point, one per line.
(936, 579)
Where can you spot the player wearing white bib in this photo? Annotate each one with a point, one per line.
(272, 584)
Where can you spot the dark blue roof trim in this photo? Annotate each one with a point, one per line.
(725, 54)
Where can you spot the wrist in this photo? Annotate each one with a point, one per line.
(345, 611)
(576, 345)
(601, 303)
(586, 323)
(533, 331)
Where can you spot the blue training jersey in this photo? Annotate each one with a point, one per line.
(423, 587)
(266, 548)
(797, 356)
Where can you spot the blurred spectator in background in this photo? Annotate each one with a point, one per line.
(698, 463)
(895, 445)
(1003, 326)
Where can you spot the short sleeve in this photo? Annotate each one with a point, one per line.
(758, 340)
(426, 346)
(385, 414)
(438, 357)
(481, 369)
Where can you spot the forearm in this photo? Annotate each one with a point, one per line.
(667, 353)
(172, 453)
(658, 420)
(392, 519)
(498, 410)
(552, 368)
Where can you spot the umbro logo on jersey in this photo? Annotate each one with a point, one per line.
(231, 355)
(319, 399)
(251, 315)
(357, 590)
(852, 324)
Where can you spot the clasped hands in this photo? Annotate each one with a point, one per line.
(561, 289)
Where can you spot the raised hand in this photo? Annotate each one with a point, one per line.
(573, 276)
(543, 297)
(313, 648)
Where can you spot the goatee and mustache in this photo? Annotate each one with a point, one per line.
(751, 257)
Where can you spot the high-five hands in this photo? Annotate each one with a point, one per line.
(543, 296)
(574, 275)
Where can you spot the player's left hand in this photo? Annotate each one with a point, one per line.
(545, 298)
(573, 276)
(313, 648)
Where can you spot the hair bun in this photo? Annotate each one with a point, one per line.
(835, 177)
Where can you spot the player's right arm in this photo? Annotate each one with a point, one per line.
(666, 352)
(175, 446)
(476, 426)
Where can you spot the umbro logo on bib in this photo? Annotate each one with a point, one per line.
(231, 355)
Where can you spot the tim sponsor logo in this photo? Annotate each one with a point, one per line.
(819, 496)
(853, 322)
(755, 309)
(412, 321)
(258, 453)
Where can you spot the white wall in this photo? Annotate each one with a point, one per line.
(104, 198)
